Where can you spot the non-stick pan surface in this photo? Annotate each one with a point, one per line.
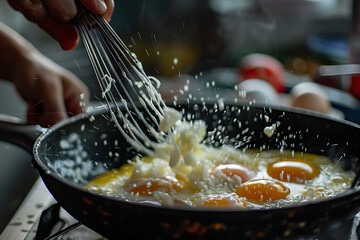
(74, 151)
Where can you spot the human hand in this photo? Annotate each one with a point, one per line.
(54, 16)
(51, 92)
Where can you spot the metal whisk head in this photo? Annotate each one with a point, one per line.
(123, 82)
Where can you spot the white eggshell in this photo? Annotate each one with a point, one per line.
(258, 90)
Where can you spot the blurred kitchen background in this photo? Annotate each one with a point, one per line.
(203, 41)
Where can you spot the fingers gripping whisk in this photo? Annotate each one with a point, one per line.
(124, 84)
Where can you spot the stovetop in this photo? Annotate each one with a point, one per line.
(25, 223)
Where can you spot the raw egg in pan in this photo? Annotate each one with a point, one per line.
(220, 200)
(293, 170)
(235, 170)
(148, 186)
(263, 190)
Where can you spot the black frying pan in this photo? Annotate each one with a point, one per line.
(92, 142)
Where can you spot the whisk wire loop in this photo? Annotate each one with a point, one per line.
(123, 82)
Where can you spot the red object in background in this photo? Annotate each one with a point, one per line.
(265, 67)
(355, 86)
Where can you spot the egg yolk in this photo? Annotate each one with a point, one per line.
(293, 170)
(147, 187)
(109, 179)
(263, 190)
(231, 170)
(220, 200)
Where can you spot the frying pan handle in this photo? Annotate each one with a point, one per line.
(14, 130)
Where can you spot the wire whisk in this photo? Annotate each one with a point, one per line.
(124, 84)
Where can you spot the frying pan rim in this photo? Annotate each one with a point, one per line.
(42, 168)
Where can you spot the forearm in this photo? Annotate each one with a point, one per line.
(13, 48)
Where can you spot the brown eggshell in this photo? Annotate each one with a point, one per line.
(310, 96)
